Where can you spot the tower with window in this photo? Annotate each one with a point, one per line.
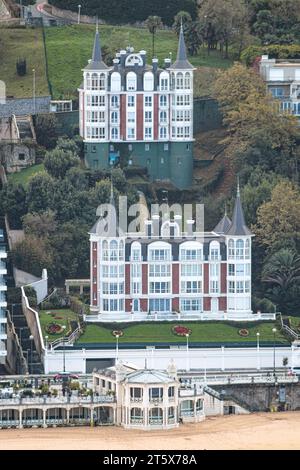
(238, 241)
(139, 114)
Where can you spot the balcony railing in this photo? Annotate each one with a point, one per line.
(187, 413)
(155, 421)
(136, 421)
(136, 400)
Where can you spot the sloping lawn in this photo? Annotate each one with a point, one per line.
(60, 316)
(70, 47)
(23, 176)
(23, 44)
(162, 332)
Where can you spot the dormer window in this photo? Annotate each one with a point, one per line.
(131, 81)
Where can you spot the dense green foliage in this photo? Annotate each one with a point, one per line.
(129, 11)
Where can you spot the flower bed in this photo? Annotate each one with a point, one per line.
(54, 329)
(243, 332)
(180, 330)
(117, 333)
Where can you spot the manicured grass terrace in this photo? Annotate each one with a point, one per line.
(60, 316)
(206, 332)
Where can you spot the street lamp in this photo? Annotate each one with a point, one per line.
(257, 346)
(64, 349)
(31, 346)
(274, 333)
(79, 8)
(117, 348)
(187, 352)
(34, 91)
(46, 338)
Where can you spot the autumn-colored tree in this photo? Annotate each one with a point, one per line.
(278, 220)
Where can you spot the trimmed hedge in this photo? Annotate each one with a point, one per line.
(275, 51)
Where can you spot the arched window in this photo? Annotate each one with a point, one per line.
(136, 414)
(136, 251)
(113, 250)
(247, 249)
(214, 251)
(163, 116)
(163, 100)
(163, 133)
(172, 81)
(102, 82)
(231, 249)
(131, 81)
(114, 101)
(164, 81)
(179, 81)
(187, 81)
(94, 81)
(114, 117)
(114, 133)
(148, 81)
(155, 415)
(105, 250)
(240, 249)
(115, 81)
(199, 404)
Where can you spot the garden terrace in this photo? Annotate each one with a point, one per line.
(58, 317)
(201, 332)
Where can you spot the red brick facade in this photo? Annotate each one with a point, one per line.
(223, 278)
(223, 304)
(123, 117)
(206, 304)
(140, 117)
(94, 274)
(144, 279)
(206, 278)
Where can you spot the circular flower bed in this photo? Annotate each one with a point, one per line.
(117, 333)
(243, 332)
(180, 330)
(54, 328)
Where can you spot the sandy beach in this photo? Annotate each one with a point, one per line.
(255, 431)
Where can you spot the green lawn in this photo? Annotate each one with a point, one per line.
(62, 317)
(162, 332)
(28, 44)
(23, 176)
(70, 47)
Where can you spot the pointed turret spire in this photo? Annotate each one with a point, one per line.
(238, 225)
(97, 63)
(181, 59)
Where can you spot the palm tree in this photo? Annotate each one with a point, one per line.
(282, 273)
(153, 23)
(282, 269)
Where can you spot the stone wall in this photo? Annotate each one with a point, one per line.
(265, 397)
(25, 106)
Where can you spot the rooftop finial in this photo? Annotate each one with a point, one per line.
(225, 212)
(97, 24)
(238, 187)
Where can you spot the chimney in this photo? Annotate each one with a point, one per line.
(190, 224)
(116, 63)
(143, 55)
(154, 65)
(122, 57)
(148, 228)
(167, 63)
(155, 225)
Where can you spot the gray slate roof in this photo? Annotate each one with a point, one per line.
(181, 61)
(223, 226)
(97, 62)
(238, 225)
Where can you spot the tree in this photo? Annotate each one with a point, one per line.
(222, 20)
(182, 18)
(193, 36)
(32, 255)
(153, 23)
(40, 224)
(46, 128)
(40, 192)
(58, 162)
(278, 220)
(13, 203)
(282, 273)
(67, 145)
